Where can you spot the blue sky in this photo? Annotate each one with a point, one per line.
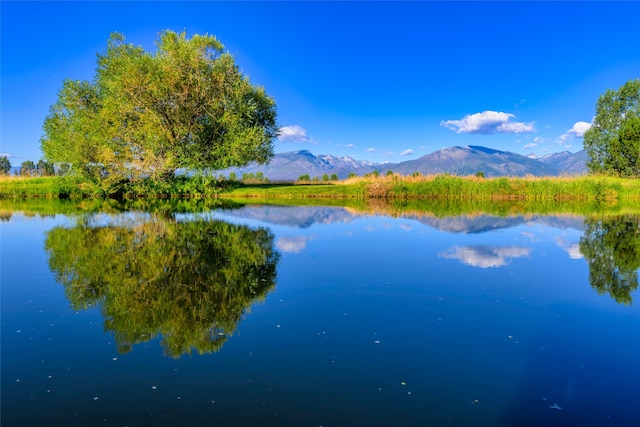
(375, 81)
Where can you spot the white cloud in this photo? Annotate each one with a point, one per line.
(577, 131)
(407, 152)
(579, 128)
(292, 244)
(574, 251)
(571, 248)
(293, 133)
(485, 256)
(349, 146)
(387, 153)
(371, 150)
(487, 122)
(7, 155)
(530, 146)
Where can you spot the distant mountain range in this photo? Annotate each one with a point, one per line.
(453, 160)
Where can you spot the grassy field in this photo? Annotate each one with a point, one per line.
(395, 187)
(16, 187)
(447, 187)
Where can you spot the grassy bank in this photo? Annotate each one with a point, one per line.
(54, 187)
(447, 187)
(433, 187)
(47, 187)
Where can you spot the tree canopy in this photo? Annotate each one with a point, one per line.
(145, 114)
(27, 168)
(5, 165)
(613, 141)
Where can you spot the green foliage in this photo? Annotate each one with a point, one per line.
(189, 282)
(625, 150)
(613, 141)
(479, 174)
(5, 165)
(304, 177)
(49, 187)
(611, 247)
(27, 168)
(334, 177)
(254, 178)
(147, 114)
(351, 175)
(45, 168)
(389, 173)
(73, 186)
(325, 178)
(64, 169)
(375, 173)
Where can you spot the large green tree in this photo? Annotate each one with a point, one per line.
(186, 105)
(613, 141)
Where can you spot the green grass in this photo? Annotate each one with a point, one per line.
(395, 187)
(447, 187)
(48, 187)
(297, 191)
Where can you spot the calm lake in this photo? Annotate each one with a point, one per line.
(263, 315)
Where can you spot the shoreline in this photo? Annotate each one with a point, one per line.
(394, 187)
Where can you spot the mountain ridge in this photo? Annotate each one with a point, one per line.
(456, 160)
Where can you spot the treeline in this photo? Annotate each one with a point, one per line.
(305, 179)
(29, 168)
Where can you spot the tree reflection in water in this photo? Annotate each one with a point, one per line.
(190, 282)
(611, 247)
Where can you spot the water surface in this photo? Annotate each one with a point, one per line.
(273, 315)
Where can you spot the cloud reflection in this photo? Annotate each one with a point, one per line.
(485, 256)
(293, 244)
(572, 248)
(406, 227)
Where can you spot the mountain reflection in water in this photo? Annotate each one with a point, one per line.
(611, 244)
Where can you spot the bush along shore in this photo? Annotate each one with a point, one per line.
(393, 187)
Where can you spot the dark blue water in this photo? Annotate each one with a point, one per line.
(333, 318)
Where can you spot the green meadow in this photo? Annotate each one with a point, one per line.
(394, 187)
